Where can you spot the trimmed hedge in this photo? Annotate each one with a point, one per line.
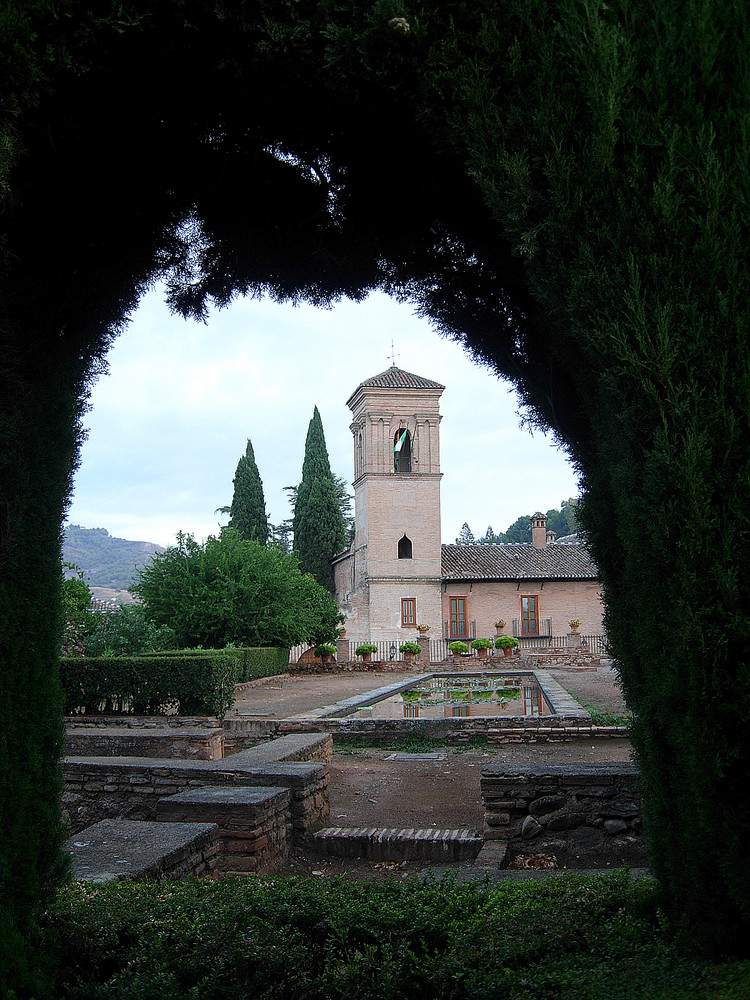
(262, 661)
(189, 682)
(194, 684)
(288, 939)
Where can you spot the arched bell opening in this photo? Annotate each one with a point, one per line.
(402, 451)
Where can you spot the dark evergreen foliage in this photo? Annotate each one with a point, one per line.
(248, 507)
(520, 530)
(563, 187)
(318, 525)
(465, 535)
(565, 520)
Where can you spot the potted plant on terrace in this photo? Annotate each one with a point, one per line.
(410, 650)
(481, 646)
(458, 648)
(422, 629)
(507, 643)
(499, 625)
(325, 651)
(366, 650)
(575, 624)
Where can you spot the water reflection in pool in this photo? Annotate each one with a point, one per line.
(480, 696)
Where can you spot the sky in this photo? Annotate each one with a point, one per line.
(170, 420)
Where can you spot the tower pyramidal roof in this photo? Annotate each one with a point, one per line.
(397, 378)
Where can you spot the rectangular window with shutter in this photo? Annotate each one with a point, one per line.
(529, 616)
(459, 623)
(408, 612)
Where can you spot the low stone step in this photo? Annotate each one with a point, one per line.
(398, 845)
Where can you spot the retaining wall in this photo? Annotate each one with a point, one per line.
(254, 823)
(99, 788)
(583, 815)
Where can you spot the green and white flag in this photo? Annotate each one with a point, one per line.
(397, 446)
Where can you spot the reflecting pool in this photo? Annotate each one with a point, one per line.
(445, 696)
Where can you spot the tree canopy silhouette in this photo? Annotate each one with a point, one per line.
(562, 187)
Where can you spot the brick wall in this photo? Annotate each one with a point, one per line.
(560, 600)
(254, 823)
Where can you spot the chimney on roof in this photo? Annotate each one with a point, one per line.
(550, 536)
(539, 530)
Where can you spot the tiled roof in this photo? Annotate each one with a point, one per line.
(396, 378)
(569, 561)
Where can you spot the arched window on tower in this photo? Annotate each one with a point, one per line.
(404, 547)
(402, 451)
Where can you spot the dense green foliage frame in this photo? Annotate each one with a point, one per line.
(563, 187)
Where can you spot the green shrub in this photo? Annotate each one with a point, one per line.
(590, 938)
(481, 644)
(261, 661)
(366, 647)
(325, 649)
(506, 642)
(127, 631)
(231, 589)
(201, 683)
(410, 647)
(458, 647)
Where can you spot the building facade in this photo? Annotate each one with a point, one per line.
(397, 575)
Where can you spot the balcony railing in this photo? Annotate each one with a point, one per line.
(438, 648)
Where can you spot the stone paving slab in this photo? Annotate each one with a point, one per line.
(116, 849)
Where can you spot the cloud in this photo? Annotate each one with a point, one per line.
(169, 422)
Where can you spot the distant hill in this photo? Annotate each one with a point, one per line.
(106, 561)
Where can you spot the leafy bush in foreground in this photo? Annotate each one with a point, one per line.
(235, 590)
(286, 938)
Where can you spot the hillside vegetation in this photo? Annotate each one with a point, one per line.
(106, 561)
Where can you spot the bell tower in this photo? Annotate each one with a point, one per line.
(393, 578)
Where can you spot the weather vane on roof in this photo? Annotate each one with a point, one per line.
(393, 356)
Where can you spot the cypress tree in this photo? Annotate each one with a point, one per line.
(319, 531)
(248, 508)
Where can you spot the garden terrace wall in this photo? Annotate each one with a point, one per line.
(565, 656)
(172, 742)
(583, 815)
(99, 788)
(254, 823)
(453, 732)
